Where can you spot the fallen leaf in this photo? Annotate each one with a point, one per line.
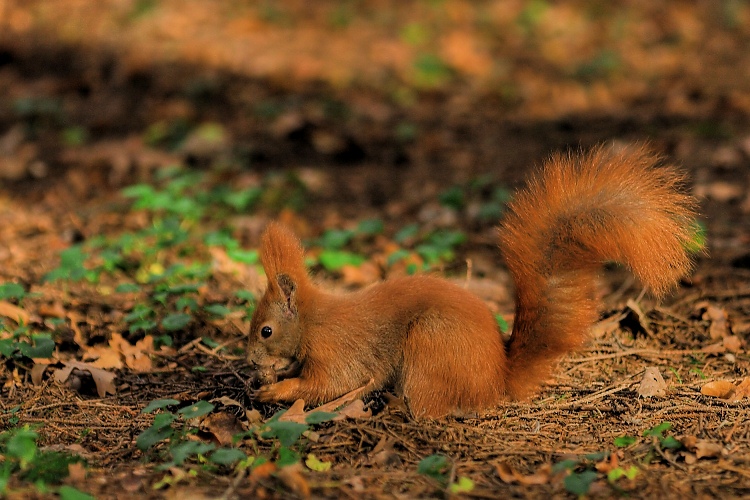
(103, 379)
(383, 454)
(636, 313)
(346, 398)
(719, 326)
(294, 480)
(702, 447)
(509, 475)
(295, 413)
(262, 471)
(222, 426)
(14, 312)
(742, 390)
(732, 343)
(76, 473)
(652, 383)
(37, 373)
(355, 409)
(719, 389)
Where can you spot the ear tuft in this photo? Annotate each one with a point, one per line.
(281, 253)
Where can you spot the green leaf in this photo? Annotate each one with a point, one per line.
(619, 472)
(243, 256)
(318, 417)
(69, 493)
(336, 239)
(333, 260)
(671, 443)
(564, 465)
(406, 233)
(370, 227)
(287, 457)
(579, 483)
(197, 409)
(286, 432)
(463, 485)
(217, 310)
(127, 288)
(175, 321)
(159, 404)
(624, 441)
(314, 463)
(501, 323)
(434, 466)
(22, 446)
(186, 449)
(160, 430)
(453, 198)
(43, 346)
(658, 430)
(11, 291)
(227, 456)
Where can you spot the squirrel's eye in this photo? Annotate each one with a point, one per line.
(266, 332)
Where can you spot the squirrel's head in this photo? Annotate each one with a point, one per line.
(275, 329)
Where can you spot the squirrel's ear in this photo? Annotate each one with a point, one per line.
(288, 289)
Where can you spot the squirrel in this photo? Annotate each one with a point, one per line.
(439, 345)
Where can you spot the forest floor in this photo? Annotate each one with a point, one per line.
(145, 145)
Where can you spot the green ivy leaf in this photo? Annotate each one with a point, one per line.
(434, 466)
(579, 483)
(186, 449)
(197, 409)
(286, 432)
(43, 346)
(175, 321)
(287, 457)
(227, 456)
(159, 404)
(333, 260)
(318, 417)
(624, 441)
(11, 291)
(69, 493)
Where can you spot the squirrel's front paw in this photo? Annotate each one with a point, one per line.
(286, 390)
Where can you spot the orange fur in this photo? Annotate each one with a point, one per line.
(438, 344)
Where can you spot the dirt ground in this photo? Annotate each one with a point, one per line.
(144, 146)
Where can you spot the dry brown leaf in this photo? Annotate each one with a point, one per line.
(719, 326)
(639, 316)
(14, 312)
(103, 357)
(383, 454)
(104, 380)
(223, 426)
(732, 343)
(295, 413)
(347, 398)
(702, 447)
(742, 390)
(294, 480)
(76, 473)
(652, 383)
(716, 348)
(37, 372)
(509, 475)
(355, 409)
(719, 389)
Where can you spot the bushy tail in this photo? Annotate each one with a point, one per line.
(578, 212)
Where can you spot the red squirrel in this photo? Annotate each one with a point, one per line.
(439, 345)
